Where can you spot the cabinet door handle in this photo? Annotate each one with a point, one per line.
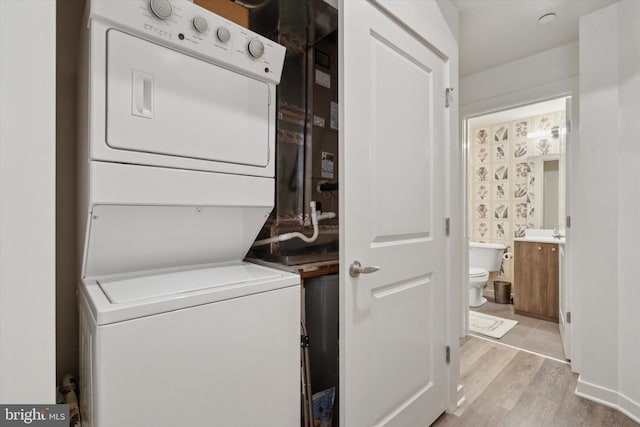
(539, 248)
(553, 249)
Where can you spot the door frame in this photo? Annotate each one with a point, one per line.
(565, 88)
(436, 23)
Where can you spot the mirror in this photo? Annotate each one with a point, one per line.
(547, 197)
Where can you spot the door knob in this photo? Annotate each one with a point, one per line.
(355, 269)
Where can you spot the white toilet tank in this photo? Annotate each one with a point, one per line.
(486, 255)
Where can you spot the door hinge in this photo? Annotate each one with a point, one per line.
(567, 222)
(447, 354)
(568, 316)
(447, 226)
(304, 340)
(448, 96)
(568, 126)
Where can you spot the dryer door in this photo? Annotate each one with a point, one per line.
(164, 102)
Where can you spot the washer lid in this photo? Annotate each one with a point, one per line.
(131, 238)
(477, 272)
(182, 282)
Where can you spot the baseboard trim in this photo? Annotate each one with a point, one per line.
(608, 397)
(460, 395)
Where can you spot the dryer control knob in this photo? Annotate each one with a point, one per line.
(200, 24)
(223, 34)
(256, 48)
(161, 8)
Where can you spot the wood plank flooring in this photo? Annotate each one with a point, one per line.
(507, 387)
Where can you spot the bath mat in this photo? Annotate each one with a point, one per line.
(490, 326)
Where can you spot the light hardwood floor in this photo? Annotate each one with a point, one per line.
(507, 387)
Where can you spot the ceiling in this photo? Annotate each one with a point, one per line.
(518, 113)
(495, 32)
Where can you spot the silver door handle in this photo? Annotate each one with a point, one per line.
(356, 269)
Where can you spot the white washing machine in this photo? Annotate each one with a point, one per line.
(176, 160)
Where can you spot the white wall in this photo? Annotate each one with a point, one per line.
(596, 198)
(536, 77)
(629, 200)
(607, 249)
(27, 201)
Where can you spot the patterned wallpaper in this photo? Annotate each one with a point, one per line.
(501, 178)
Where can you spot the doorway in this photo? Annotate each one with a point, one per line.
(516, 197)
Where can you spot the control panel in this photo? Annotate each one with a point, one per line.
(184, 26)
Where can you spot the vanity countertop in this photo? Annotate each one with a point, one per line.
(541, 239)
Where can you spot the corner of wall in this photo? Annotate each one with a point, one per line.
(596, 201)
(608, 397)
(629, 199)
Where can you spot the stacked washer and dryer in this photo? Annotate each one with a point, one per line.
(177, 123)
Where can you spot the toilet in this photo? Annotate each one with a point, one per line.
(483, 259)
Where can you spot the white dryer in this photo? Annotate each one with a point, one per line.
(176, 160)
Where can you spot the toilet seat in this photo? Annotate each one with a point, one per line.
(477, 272)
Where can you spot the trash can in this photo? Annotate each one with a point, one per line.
(502, 292)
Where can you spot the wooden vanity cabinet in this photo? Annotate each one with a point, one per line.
(536, 280)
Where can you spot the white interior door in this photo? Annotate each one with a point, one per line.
(565, 278)
(393, 322)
